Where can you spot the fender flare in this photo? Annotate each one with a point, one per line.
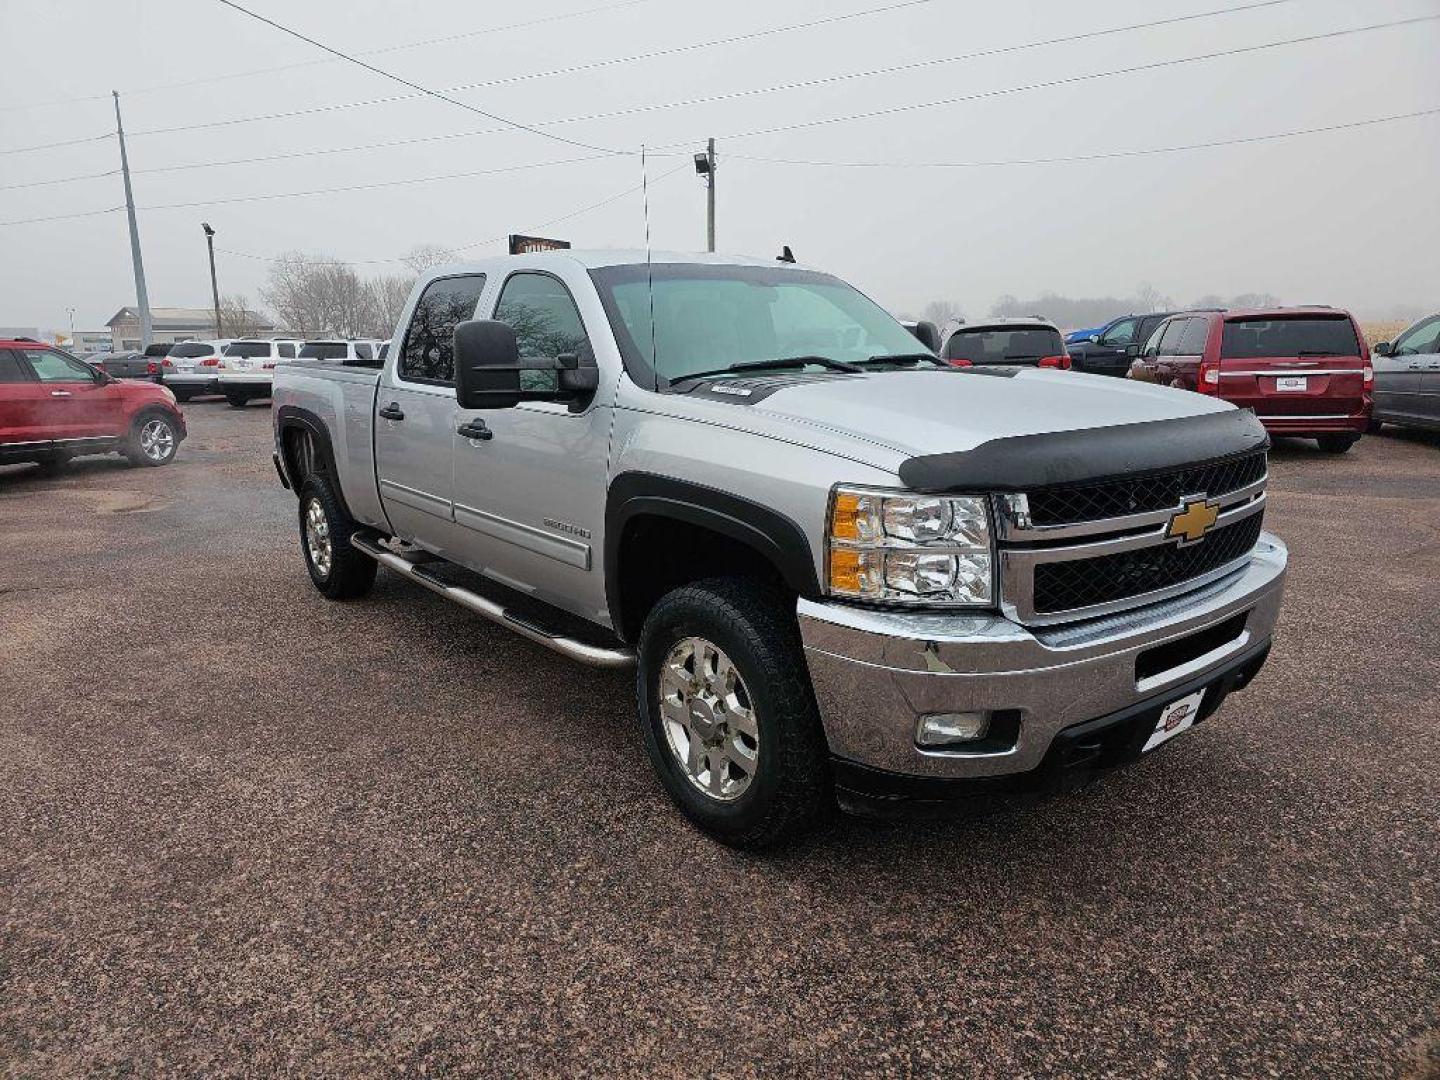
(772, 535)
(294, 418)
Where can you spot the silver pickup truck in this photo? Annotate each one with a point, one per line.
(843, 569)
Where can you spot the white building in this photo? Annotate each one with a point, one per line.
(171, 324)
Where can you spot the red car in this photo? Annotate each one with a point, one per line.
(1305, 371)
(54, 407)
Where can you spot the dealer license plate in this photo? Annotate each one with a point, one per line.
(1292, 382)
(1176, 717)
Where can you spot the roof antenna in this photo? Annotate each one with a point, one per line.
(649, 273)
(785, 256)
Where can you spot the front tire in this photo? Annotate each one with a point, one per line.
(338, 570)
(729, 715)
(1337, 444)
(153, 440)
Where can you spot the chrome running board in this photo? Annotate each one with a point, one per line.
(417, 570)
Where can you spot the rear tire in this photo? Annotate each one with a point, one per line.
(338, 570)
(237, 400)
(1375, 427)
(154, 438)
(722, 683)
(54, 464)
(182, 395)
(1337, 444)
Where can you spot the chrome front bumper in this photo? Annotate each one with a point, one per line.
(877, 672)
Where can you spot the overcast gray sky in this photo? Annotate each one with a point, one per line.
(1346, 217)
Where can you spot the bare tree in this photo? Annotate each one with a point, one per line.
(389, 292)
(319, 296)
(940, 312)
(423, 256)
(237, 320)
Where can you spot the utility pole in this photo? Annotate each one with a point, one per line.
(141, 296)
(705, 167)
(214, 288)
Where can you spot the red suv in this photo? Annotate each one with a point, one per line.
(1304, 371)
(53, 407)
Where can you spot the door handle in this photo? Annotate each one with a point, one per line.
(392, 411)
(475, 429)
(59, 393)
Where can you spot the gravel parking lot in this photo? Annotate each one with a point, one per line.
(243, 829)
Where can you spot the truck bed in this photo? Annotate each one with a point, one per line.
(343, 398)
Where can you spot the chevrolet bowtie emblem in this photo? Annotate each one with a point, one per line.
(1192, 523)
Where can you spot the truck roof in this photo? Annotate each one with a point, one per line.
(596, 258)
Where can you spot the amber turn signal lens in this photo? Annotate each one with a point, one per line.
(845, 570)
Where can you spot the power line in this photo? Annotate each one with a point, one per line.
(416, 86)
(477, 243)
(1070, 80)
(823, 80)
(1105, 156)
(635, 57)
(59, 180)
(54, 145)
(210, 80)
(62, 217)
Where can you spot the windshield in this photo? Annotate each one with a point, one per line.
(996, 345)
(248, 349)
(708, 317)
(322, 350)
(1323, 336)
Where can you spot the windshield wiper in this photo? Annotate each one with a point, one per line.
(778, 364)
(904, 358)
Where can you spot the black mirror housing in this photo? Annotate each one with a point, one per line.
(928, 334)
(1132, 350)
(487, 365)
(1383, 348)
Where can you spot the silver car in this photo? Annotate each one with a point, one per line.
(1407, 377)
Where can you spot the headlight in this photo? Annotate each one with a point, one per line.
(910, 549)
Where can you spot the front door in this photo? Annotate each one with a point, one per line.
(530, 499)
(1413, 370)
(415, 416)
(75, 405)
(1107, 356)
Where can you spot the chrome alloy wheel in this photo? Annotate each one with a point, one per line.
(317, 537)
(157, 440)
(708, 718)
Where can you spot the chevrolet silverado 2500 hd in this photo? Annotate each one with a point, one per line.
(840, 566)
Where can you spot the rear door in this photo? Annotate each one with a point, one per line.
(415, 416)
(1169, 370)
(20, 404)
(74, 404)
(1306, 365)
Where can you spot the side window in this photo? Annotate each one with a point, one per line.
(1196, 335)
(428, 354)
(1122, 333)
(1425, 338)
(1170, 339)
(546, 323)
(287, 350)
(57, 367)
(10, 370)
(1152, 343)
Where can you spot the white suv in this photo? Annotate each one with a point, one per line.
(247, 368)
(362, 353)
(192, 368)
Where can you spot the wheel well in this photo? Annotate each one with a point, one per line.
(658, 554)
(303, 457)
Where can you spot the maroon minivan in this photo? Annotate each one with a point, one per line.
(1305, 371)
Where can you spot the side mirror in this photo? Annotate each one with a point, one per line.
(577, 371)
(1093, 339)
(487, 365)
(1383, 348)
(928, 335)
(1132, 350)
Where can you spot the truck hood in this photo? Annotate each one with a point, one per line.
(938, 412)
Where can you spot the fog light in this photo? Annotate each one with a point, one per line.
(947, 729)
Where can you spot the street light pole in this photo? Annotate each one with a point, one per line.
(142, 298)
(214, 288)
(705, 168)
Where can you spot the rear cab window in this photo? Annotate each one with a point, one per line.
(324, 350)
(1289, 335)
(427, 354)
